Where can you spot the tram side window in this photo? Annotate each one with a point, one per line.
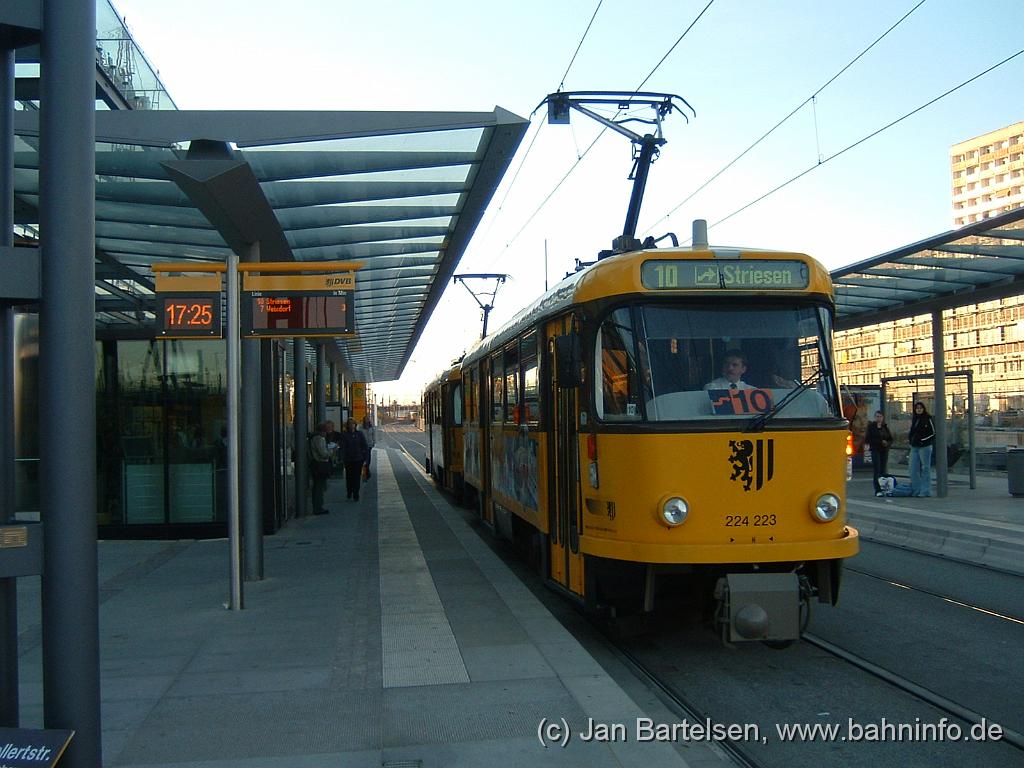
(531, 389)
(497, 390)
(457, 404)
(620, 390)
(512, 414)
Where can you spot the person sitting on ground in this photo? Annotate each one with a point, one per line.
(733, 367)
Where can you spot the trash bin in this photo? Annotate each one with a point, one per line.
(1015, 470)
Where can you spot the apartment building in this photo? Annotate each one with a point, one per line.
(987, 179)
(988, 174)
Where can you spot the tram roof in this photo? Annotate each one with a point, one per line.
(400, 192)
(979, 262)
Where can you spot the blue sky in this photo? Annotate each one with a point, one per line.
(744, 66)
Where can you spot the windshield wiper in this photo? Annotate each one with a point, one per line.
(757, 423)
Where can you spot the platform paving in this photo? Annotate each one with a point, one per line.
(983, 525)
(386, 633)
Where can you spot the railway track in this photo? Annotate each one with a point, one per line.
(919, 692)
(945, 598)
(679, 704)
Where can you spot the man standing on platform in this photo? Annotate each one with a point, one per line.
(370, 433)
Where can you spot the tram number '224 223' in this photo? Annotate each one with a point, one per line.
(744, 521)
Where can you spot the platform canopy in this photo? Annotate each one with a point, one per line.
(400, 192)
(979, 262)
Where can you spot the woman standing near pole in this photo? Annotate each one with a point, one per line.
(921, 437)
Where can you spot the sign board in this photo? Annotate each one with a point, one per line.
(296, 314)
(188, 307)
(23, 747)
(188, 315)
(298, 305)
(21, 550)
(358, 400)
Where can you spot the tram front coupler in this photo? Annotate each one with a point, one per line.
(759, 606)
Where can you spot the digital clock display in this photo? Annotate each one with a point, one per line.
(185, 315)
(326, 313)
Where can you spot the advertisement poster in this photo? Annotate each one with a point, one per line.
(859, 406)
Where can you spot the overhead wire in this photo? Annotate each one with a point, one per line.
(869, 136)
(677, 42)
(797, 108)
(512, 181)
(572, 61)
(541, 125)
(601, 133)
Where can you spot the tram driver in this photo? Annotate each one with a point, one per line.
(733, 367)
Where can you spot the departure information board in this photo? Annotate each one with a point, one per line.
(280, 313)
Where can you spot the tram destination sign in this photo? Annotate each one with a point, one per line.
(732, 275)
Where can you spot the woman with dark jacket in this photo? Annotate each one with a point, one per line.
(921, 437)
(879, 438)
(355, 453)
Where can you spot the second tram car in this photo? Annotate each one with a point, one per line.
(442, 423)
(667, 420)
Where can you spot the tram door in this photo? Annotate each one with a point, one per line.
(564, 501)
(484, 416)
(447, 431)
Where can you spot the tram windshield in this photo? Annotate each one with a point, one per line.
(673, 363)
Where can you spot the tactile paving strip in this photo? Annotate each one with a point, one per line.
(417, 641)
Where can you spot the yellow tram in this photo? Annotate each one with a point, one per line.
(442, 424)
(667, 420)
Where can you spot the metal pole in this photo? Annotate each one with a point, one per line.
(319, 384)
(67, 376)
(970, 429)
(939, 417)
(9, 586)
(648, 145)
(301, 429)
(234, 350)
(251, 460)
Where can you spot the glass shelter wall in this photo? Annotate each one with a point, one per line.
(161, 429)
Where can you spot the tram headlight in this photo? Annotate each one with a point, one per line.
(674, 512)
(825, 508)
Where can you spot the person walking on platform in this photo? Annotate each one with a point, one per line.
(921, 437)
(355, 454)
(370, 433)
(319, 467)
(879, 438)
